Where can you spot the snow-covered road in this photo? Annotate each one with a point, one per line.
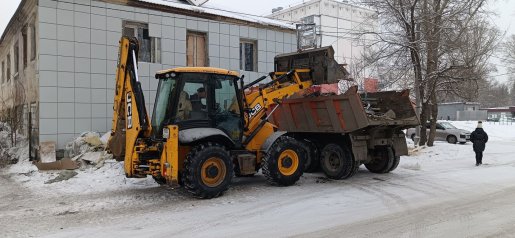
(435, 192)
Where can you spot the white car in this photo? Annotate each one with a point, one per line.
(445, 131)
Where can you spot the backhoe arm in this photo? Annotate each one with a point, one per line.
(130, 118)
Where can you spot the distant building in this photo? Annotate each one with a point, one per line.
(500, 113)
(460, 111)
(339, 23)
(58, 58)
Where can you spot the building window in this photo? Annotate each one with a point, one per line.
(16, 59)
(33, 42)
(25, 46)
(248, 55)
(3, 72)
(8, 68)
(196, 49)
(149, 47)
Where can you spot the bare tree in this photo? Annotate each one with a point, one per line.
(435, 40)
(12, 104)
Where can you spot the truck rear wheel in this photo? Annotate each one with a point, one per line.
(283, 163)
(337, 162)
(383, 162)
(208, 170)
(312, 158)
(396, 161)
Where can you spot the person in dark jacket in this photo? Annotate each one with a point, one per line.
(479, 139)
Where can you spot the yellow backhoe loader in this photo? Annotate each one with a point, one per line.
(207, 126)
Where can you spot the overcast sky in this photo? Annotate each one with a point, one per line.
(504, 19)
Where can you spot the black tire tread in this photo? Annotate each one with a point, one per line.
(269, 162)
(349, 162)
(192, 183)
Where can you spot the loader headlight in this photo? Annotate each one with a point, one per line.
(166, 133)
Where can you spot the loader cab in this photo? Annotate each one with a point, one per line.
(198, 97)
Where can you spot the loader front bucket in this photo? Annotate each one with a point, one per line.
(321, 62)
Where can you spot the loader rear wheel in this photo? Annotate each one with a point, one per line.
(384, 161)
(337, 162)
(283, 163)
(208, 170)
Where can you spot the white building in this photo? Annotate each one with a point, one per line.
(63, 54)
(341, 25)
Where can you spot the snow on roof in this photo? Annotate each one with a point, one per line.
(212, 9)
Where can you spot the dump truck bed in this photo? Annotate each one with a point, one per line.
(345, 113)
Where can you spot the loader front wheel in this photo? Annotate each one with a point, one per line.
(283, 163)
(337, 162)
(208, 170)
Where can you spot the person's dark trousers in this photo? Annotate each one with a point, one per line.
(479, 157)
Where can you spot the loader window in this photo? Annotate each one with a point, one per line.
(164, 90)
(227, 111)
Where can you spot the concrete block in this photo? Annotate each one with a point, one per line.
(98, 81)
(111, 66)
(47, 126)
(82, 80)
(154, 30)
(47, 78)
(83, 124)
(180, 21)
(244, 31)
(82, 50)
(99, 22)
(98, 11)
(225, 52)
(65, 48)
(168, 32)
(98, 37)
(262, 34)
(180, 59)
(234, 53)
(279, 37)
(47, 15)
(270, 46)
(64, 17)
(214, 50)
(253, 33)
(234, 30)
(65, 94)
(82, 110)
(98, 66)
(98, 96)
(167, 45)
(168, 21)
(65, 126)
(82, 95)
(214, 27)
(48, 62)
(270, 35)
(82, 35)
(99, 124)
(98, 51)
(66, 110)
(191, 24)
(113, 24)
(225, 40)
(48, 47)
(47, 110)
(112, 52)
(225, 29)
(65, 5)
(155, 17)
(180, 46)
(214, 38)
(113, 38)
(235, 64)
(66, 79)
(167, 58)
(47, 31)
(214, 61)
(47, 94)
(203, 25)
(82, 19)
(180, 33)
(234, 41)
(48, 3)
(82, 65)
(225, 63)
(64, 33)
